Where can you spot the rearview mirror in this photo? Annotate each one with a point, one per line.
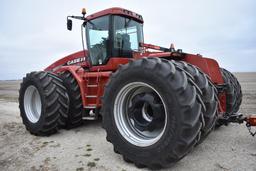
(69, 24)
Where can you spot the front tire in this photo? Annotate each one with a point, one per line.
(42, 100)
(167, 128)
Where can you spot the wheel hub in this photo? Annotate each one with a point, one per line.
(140, 114)
(32, 104)
(146, 111)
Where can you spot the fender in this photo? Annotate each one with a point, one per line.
(84, 78)
(72, 63)
(211, 68)
(207, 65)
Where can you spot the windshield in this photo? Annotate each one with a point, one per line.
(127, 36)
(118, 38)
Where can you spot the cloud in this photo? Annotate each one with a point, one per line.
(33, 33)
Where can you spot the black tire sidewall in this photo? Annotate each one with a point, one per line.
(233, 92)
(73, 101)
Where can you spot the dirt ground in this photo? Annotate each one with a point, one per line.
(85, 148)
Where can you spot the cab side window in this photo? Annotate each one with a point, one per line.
(98, 30)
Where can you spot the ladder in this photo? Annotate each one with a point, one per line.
(91, 97)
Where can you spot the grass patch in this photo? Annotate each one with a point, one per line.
(88, 149)
(87, 155)
(91, 164)
(80, 169)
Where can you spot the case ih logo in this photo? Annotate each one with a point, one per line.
(77, 60)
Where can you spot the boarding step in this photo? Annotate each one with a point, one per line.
(91, 96)
(90, 106)
(92, 85)
(90, 118)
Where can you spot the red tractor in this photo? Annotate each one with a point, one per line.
(155, 105)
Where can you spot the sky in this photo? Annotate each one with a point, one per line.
(33, 33)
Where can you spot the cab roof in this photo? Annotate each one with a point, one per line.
(116, 11)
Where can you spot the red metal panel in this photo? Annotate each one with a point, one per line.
(207, 65)
(64, 61)
(112, 64)
(251, 120)
(158, 54)
(198, 61)
(217, 78)
(84, 78)
(212, 69)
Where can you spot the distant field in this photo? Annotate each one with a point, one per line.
(9, 90)
(248, 83)
(85, 148)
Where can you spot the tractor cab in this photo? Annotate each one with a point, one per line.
(114, 32)
(112, 36)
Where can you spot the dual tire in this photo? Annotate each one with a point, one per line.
(209, 95)
(233, 92)
(48, 102)
(154, 112)
(75, 115)
(42, 102)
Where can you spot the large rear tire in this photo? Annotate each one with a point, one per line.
(42, 100)
(74, 118)
(209, 95)
(233, 92)
(152, 112)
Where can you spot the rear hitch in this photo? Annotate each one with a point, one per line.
(249, 120)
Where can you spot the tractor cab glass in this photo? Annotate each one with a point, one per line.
(127, 36)
(97, 39)
(113, 36)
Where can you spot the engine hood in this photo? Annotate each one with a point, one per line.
(78, 58)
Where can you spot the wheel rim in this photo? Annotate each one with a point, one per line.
(32, 104)
(140, 114)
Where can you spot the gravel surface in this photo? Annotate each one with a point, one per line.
(85, 148)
